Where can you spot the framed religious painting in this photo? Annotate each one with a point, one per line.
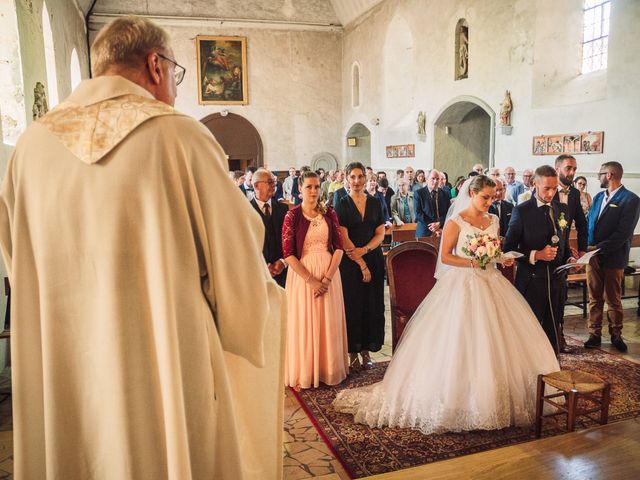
(539, 145)
(222, 70)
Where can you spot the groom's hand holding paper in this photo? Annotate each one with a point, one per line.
(583, 261)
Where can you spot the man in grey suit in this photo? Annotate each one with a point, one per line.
(402, 209)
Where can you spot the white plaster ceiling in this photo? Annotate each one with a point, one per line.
(319, 12)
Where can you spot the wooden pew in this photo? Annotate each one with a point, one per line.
(403, 233)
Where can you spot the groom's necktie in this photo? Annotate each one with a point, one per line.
(546, 208)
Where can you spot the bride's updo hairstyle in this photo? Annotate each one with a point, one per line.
(320, 207)
(480, 182)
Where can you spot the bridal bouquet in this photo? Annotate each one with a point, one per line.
(483, 248)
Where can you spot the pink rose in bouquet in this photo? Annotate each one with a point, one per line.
(483, 248)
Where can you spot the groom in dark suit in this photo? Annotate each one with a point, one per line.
(612, 219)
(272, 214)
(431, 204)
(539, 230)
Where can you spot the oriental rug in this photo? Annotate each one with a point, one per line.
(365, 451)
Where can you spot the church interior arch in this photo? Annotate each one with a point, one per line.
(463, 136)
(361, 151)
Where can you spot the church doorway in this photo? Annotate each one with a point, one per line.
(359, 144)
(463, 136)
(239, 139)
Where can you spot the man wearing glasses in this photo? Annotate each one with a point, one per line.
(272, 214)
(147, 330)
(612, 219)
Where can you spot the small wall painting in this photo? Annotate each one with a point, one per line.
(401, 151)
(222, 70)
(572, 143)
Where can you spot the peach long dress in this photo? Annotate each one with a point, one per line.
(316, 348)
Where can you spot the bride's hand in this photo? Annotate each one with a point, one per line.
(508, 262)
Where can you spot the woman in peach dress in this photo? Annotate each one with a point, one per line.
(316, 349)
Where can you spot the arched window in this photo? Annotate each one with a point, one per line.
(50, 58)
(76, 74)
(595, 35)
(355, 85)
(462, 50)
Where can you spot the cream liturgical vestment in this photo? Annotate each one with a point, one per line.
(147, 332)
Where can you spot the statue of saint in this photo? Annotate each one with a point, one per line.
(40, 107)
(422, 123)
(463, 54)
(505, 110)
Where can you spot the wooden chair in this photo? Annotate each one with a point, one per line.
(574, 386)
(410, 269)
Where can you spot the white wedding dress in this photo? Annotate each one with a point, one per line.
(468, 359)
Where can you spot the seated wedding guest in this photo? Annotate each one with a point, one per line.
(272, 214)
(362, 269)
(527, 179)
(456, 188)
(431, 206)
(478, 168)
(287, 185)
(316, 348)
(372, 189)
(420, 180)
(247, 186)
(585, 199)
(513, 187)
(386, 191)
(501, 208)
(612, 220)
(402, 208)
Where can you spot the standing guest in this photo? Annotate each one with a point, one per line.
(612, 220)
(337, 189)
(402, 208)
(295, 190)
(420, 181)
(527, 178)
(316, 330)
(279, 193)
(324, 186)
(494, 173)
(585, 199)
(247, 186)
(431, 206)
(321, 175)
(408, 176)
(272, 214)
(238, 177)
(501, 208)
(362, 269)
(536, 231)
(386, 191)
(399, 176)
(566, 167)
(338, 182)
(287, 185)
(513, 187)
(372, 189)
(444, 183)
(478, 168)
(130, 352)
(381, 174)
(369, 173)
(456, 188)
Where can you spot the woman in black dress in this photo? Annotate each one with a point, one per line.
(362, 269)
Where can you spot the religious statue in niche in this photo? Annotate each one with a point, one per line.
(462, 50)
(40, 106)
(422, 124)
(505, 110)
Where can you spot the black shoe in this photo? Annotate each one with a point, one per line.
(616, 341)
(593, 342)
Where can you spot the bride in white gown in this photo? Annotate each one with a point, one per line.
(470, 356)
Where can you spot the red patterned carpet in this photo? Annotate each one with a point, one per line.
(365, 451)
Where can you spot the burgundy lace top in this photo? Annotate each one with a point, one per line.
(295, 227)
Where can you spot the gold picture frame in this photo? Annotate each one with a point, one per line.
(222, 70)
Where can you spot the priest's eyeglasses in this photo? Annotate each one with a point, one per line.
(179, 69)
